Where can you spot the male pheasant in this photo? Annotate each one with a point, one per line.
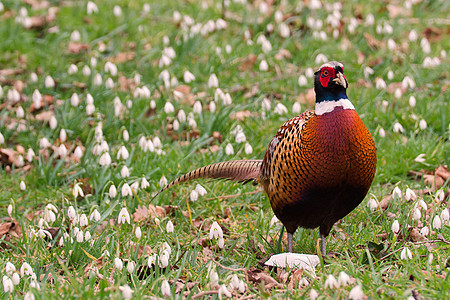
(317, 168)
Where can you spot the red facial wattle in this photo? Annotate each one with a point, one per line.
(325, 76)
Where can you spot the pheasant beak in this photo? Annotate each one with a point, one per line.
(340, 79)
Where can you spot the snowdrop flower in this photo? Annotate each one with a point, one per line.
(420, 158)
(74, 100)
(215, 231)
(413, 35)
(188, 77)
(423, 124)
(26, 269)
(30, 154)
(425, 45)
(131, 265)
(440, 195)
(53, 122)
(331, 282)
(90, 109)
(86, 71)
(422, 204)
(126, 190)
(212, 106)
(8, 286)
(263, 66)
(368, 71)
(266, 46)
(221, 24)
(410, 195)
(343, 279)
(138, 232)
(72, 69)
(13, 96)
(33, 78)
(280, 109)
(380, 83)
(118, 263)
(200, 190)
(117, 11)
(223, 291)
(91, 8)
(71, 213)
(124, 216)
(37, 99)
(416, 214)
(95, 215)
(83, 220)
(35, 284)
(213, 277)
(248, 148)
(10, 268)
(391, 44)
(398, 128)
(22, 185)
(62, 151)
(15, 278)
(240, 137)
(163, 181)
(313, 294)
(356, 293)
(406, 254)
(49, 216)
(109, 83)
(62, 135)
(127, 292)
(105, 159)
(135, 186)
(408, 82)
(412, 101)
(2, 139)
(213, 81)
(229, 149)
(164, 259)
(320, 59)
(169, 226)
(49, 82)
(20, 113)
(437, 224)
(302, 81)
(165, 289)
(193, 196)
(273, 221)
(97, 80)
(197, 109)
(144, 183)
(228, 49)
(123, 153)
(445, 215)
(168, 108)
(80, 236)
(10, 210)
(112, 191)
(382, 132)
(75, 36)
(395, 227)
(77, 191)
(284, 30)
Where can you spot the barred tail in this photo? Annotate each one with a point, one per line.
(236, 170)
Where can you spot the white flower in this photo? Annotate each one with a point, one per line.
(169, 226)
(72, 69)
(215, 231)
(144, 183)
(126, 190)
(112, 191)
(26, 269)
(420, 158)
(331, 282)
(321, 58)
(49, 82)
(109, 83)
(80, 236)
(71, 213)
(29, 296)
(213, 81)
(197, 109)
(221, 242)
(15, 278)
(165, 289)
(343, 279)
(10, 268)
(248, 148)
(97, 79)
(83, 220)
(138, 232)
(423, 124)
(223, 291)
(397, 193)
(124, 216)
(406, 254)
(49, 216)
(214, 277)
(273, 221)
(169, 108)
(188, 77)
(410, 195)
(8, 285)
(86, 70)
(302, 81)
(127, 292)
(229, 150)
(356, 293)
(118, 263)
(77, 190)
(10, 210)
(280, 109)
(416, 214)
(437, 224)
(373, 204)
(412, 101)
(284, 30)
(390, 75)
(62, 151)
(263, 66)
(125, 172)
(105, 159)
(131, 265)
(2, 139)
(95, 215)
(380, 83)
(53, 122)
(91, 8)
(445, 215)
(395, 227)
(22, 185)
(117, 11)
(163, 260)
(74, 100)
(20, 113)
(33, 78)
(313, 294)
(368, 71)
(163, 181)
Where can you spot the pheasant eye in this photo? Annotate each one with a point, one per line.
(325, 73)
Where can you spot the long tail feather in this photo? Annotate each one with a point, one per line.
(236, 170)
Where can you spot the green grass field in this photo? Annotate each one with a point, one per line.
(79, 81)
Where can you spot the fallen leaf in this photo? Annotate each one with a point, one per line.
(282, 54)
(242, 115)
(144, 213)
(8, 231)
(371, 41)
(295, 278)
(122, 57)
(435, 179)
(397, 10)
(415, 235)
(247, 63)
(308, 98)
(258, 276)
(45, 116)
(76, 48)
(180, 284)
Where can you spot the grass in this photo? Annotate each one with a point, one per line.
(362, 244)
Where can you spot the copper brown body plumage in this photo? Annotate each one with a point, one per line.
(317, 168)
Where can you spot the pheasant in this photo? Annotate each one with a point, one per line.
(318, 167)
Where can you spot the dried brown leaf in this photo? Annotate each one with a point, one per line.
(76, 48)
(397, 10)
(122, 57)
(45, 116)
(308, 98)
(295, 278)
(247, 63)
(8, 231)
(371, 41)
(282, 54)
(143, 213)
(415, 236)
(257, 276)
(242, 115)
